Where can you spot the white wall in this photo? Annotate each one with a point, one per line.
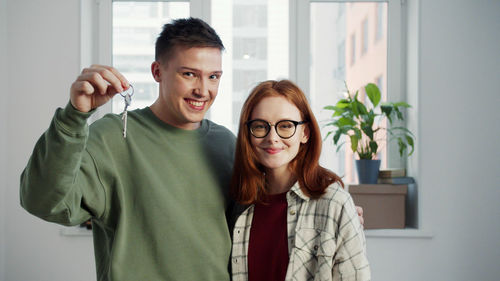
(43, 60)
(457, 146)
(459, 132)
(3, 128)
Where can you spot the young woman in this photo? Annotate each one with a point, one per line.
(294, 220)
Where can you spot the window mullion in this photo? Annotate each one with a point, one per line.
(395, 71)
(201, 9)
(299, 43)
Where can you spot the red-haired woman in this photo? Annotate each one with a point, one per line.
(294, 220)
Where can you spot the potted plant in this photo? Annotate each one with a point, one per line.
(360, 122)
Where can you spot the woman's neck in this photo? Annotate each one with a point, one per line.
(279, 181)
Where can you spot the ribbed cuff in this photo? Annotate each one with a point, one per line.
(72, 121)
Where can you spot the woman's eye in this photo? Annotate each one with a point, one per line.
(286, 125)
(259, 127)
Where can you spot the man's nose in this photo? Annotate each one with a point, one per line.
(201, 88)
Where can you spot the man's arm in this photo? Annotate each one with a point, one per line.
(60, 182)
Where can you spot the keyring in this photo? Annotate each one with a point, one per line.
(127, 91)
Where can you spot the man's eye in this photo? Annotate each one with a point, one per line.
(188, 74)
(214, 76)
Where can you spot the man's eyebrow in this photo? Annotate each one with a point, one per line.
(197, 70)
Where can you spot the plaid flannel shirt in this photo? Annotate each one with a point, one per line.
(325, 238)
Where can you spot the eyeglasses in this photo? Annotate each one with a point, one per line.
(285, 128)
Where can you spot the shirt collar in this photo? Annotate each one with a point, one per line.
(298, 192)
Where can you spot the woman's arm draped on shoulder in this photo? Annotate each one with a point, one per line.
(351, 261)
(60, 183)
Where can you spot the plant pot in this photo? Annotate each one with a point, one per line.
(367, 171)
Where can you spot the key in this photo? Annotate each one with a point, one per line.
(128, 100)
(127, 96)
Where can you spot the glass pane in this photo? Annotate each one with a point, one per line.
(255, 34)
(135, 28)
(348, 46)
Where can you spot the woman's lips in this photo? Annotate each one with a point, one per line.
(273, 150)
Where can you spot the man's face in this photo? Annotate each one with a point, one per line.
(189, 82)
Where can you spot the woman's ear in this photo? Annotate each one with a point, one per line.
(156, 71)
(305, 134)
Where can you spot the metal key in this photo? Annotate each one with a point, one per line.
(127, 96)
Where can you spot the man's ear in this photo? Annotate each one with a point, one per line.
(156, 71)
(305, 135)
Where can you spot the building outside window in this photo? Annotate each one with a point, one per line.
(364, 37)
(256, 36)
(135, 28)
(329, 32)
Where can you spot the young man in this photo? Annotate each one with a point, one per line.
(157, 198)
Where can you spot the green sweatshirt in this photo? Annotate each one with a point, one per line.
(157, 199)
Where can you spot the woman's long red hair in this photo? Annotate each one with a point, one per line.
(248, 182)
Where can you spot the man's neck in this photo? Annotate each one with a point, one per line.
(161, 114)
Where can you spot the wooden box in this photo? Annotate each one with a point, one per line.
(383, 204)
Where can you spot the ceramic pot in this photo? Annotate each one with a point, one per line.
(367, 171)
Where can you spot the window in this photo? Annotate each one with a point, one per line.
(135, 28)
(353, 48)
(330, 28)
(262, 42)
(380, 19)
(255, 34)
(364, 37)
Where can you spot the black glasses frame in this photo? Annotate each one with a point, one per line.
(269, 125)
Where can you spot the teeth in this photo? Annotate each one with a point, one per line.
(196, 103)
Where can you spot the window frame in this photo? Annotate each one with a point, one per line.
(96, 45)
(396, 61)
(96, 34)
(402, 65)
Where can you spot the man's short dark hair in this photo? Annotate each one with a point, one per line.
(188, 33)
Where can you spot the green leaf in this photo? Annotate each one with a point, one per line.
(343, 103)
(354, 143)
(361, 108)
(329, 107)
(357, 132)
(402, 146)
(355, 104)
(337, 113)
(387, 110)
(399, 114)
(409, 140)
(368, 118)
(402, 104)
(336, 137)
(373, 93)
(373, 147)
(367, 129)
(401, 129)
(345, 121)
(327, 135)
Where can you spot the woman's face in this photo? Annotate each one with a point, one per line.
(273, 151)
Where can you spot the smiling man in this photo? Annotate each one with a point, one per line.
(157, 198)
(188, 85)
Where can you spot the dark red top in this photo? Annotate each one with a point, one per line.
(268, 245)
